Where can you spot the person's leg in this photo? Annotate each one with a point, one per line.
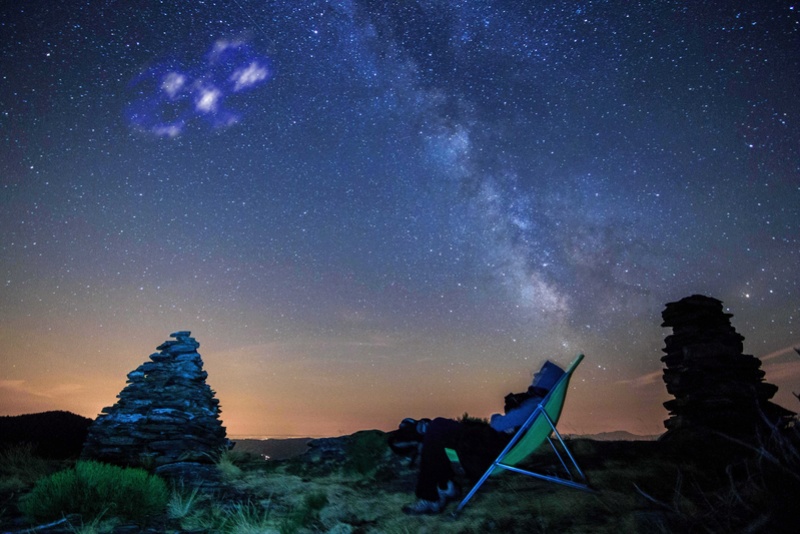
(435, 470)
(480, 445)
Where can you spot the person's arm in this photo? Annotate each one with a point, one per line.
(516, 417)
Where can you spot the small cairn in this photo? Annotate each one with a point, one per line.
(167, 416)
(717, 388)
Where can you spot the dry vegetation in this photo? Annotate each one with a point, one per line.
(641, 486)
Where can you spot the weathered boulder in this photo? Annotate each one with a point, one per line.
(166, 414)
(717, 389)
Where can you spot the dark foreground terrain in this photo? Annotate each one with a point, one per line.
(354, 484)
(55, 435)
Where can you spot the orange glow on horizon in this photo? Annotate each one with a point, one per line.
(281, 390)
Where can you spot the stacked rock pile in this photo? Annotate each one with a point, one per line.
(716, 386)
(166, 414)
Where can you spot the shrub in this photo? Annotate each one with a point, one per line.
(92, 489)
(365, 452)
(316, 501)
(467, 418)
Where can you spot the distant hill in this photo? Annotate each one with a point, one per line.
(56, 434)
(274, 449)
(618, 435)
(282, 448)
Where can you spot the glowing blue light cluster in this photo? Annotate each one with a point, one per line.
(170, 96)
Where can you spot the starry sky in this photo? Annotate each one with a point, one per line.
(366, 210)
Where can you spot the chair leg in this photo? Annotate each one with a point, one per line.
(474, 490)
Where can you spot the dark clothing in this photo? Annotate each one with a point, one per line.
(434, 466)
(477, 445)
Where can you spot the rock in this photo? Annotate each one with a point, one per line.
(191, 473)
(166, 415)
(717, 389)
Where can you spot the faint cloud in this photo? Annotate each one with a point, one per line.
(22, 387)
(65, 389)
(780, 352)
(19, 386)
(168, 130)
(785, 371)
(301, 352)
(645, 380)
(221, 46)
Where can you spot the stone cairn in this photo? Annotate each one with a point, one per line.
(716, 387)
(166, 416)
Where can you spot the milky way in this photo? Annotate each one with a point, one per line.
(401, 205)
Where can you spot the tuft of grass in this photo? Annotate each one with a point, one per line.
(20, 467)
(98, 525)
(228, 465)
(93, 489)
(182, 502)
(205, 519)
(247, 518)
(231, 518)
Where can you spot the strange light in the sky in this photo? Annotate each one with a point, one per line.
(207, 99)
(169, 97)
(173, 83)
(248, 76)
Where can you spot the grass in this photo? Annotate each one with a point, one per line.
(247, 518)
(729, 485)
(641, 487)
(228, 465)
(20, 467)
(182, 501)
(305, 514)
(98, 525)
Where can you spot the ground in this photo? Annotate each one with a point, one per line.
(357, 485)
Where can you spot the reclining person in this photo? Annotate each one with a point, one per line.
(476, 443)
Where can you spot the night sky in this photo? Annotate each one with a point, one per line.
(370, 210)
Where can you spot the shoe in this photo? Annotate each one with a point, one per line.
(423, 507)
(450, 493)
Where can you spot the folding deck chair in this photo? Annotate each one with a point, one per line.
(533, 433)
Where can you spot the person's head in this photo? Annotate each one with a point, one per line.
(546, 377)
